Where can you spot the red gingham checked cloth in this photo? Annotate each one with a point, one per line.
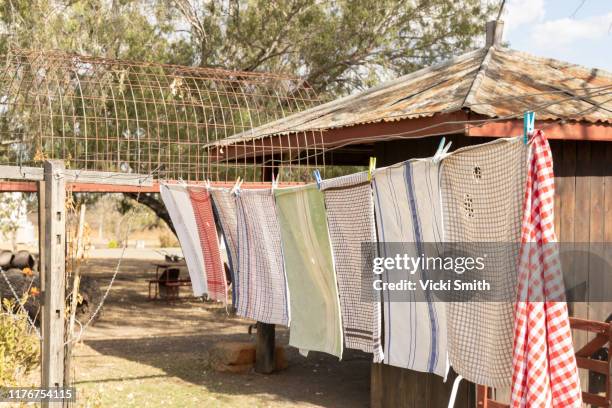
(215, 274)
(544, 366)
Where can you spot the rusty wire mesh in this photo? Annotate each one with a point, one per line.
(123, 116)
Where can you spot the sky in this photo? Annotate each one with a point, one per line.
(576, 31)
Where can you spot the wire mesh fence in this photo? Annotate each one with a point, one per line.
(133, 117)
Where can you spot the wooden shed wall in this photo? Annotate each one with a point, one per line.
(583, 213)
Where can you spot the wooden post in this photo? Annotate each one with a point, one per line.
(41, 264)
(53, 320)
(398, 387)
(482, 396)
(265, 350)
(609, 383)
(494, 32)
(265, 353)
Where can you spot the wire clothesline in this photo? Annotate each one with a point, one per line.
(115, 272)
(21, 304)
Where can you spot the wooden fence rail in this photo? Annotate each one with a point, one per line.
(603, 337)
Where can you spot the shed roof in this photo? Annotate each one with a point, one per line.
(493, 82)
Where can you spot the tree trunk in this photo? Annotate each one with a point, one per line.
(152, 201)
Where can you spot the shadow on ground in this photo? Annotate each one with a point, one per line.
(141, 341)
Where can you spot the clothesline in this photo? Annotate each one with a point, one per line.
(293, 252)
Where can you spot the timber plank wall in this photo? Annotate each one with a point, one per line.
(583, 214)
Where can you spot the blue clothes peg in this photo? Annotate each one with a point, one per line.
(441, 151)
(528, 125)
(317, 177)
(440, 147)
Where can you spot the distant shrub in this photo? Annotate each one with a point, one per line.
(167, 239)
(113, 244)
(19, 349)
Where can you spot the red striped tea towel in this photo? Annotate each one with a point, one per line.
(209, 240)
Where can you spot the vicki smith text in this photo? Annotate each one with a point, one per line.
(430, 285)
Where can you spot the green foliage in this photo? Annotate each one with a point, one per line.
(338, 46)
(115, 29)
(19, 349)
(167, 239)
(112, 244)
(10, 205)
(142, 216)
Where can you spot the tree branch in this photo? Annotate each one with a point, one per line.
(155, 204)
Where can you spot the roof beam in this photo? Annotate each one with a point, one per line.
(552, 129)
(78, 187)
(328, 140)
(460, 122)
(78, 176)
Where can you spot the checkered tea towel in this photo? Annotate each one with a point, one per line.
(224, 205)
(544, 365)
(407, 206)
(209, 242)
(177, 202)
(261, 285)
(482, 198)
(315, 308)
(350, 215)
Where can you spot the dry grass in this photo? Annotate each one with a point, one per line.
(154, 354)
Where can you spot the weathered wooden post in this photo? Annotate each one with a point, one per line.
(53, 319)
(610, 365)
(41, 264)
(265, 349)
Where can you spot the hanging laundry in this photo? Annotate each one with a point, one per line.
(544, 365)
(482, 193)
(350, 215)
(177, 202)
(406, 201)
(261, 285)
(224, 205)
(315, 309)
(209, 242)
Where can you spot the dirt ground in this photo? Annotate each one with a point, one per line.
(154, 354)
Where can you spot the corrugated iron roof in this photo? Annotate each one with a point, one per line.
(496, 82)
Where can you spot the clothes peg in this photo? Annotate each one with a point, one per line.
(275, 180)
(442, 150)
(317, 176)
(440, 147)
(236, 187)
(371, 168)
(528, 125)
(446, 148)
